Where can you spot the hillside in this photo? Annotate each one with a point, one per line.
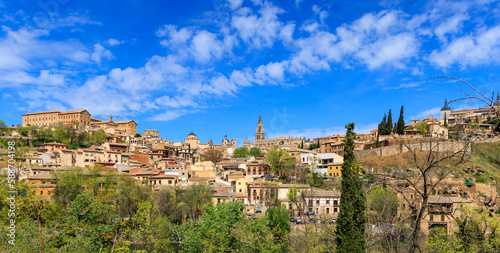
(483, 166)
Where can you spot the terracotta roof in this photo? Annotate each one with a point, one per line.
(76, 111)
(41, 112)
(446, 200)
(53, 144)
(91, 150)
(124, 121)
(41, 176)
(118, 144)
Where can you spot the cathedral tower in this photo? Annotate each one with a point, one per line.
(259, 133)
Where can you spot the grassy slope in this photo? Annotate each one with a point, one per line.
(484, 155)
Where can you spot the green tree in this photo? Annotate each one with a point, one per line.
(384, 204)
(255, 152)
(223, 228)
(440, 242)
(99, 136)
(400, 125)
(293, 196)
(137, 135)
(389, 123)
(382, 127)
(2, 123)
(130, 196)
(69, 185)
(280, 160)
(352, 218)
(61, 135)
(421, 127)
(195, 197)
(241, 152)
(278, 221)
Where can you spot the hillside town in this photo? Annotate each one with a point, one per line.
(246, 174)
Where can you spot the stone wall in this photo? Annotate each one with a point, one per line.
(398, 149)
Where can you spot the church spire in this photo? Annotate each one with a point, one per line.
(446, 107)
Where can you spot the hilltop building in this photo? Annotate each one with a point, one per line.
(54, 118)
(479, 115)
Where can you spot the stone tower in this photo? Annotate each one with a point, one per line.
(445, 112)
(259, 133)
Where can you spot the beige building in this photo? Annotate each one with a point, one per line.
(192, 141)
(241, 184)
(325, 204)
(151, 132)
(479, 115)
(52, 118)
(126, 127)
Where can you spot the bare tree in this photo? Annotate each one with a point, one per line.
(416, 174)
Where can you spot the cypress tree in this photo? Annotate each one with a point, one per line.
(401, 122)
(389, 123)
(351, 221)
(382, 127)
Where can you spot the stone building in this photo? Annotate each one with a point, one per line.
(127, 127)
(261, 142)
(54, 118)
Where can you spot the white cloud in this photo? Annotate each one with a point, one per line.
(205, 46)
(114, 42)
(258, 30)
(322, 14)
(101, 53)
(434, 112)
(483, 47)
(170, 115)
(234, 4)
(392, 49)
(450, 26)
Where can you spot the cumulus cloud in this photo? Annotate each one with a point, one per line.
(475, 49)
(101, 53)
(187, 74)
(114, 42)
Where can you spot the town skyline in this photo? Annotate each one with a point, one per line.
(214, 66)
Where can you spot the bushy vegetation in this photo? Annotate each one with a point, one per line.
(73, 138)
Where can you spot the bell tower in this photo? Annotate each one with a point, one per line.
(259, 133)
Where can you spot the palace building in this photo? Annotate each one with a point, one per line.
(52, 118)
(78, 118)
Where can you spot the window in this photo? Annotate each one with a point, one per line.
(334, 209)
(327, 210)
(290, 206)
(442, 217)
(431, 218)
(317, 202)
(328, 202)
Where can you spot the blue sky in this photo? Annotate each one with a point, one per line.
(309, 67)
